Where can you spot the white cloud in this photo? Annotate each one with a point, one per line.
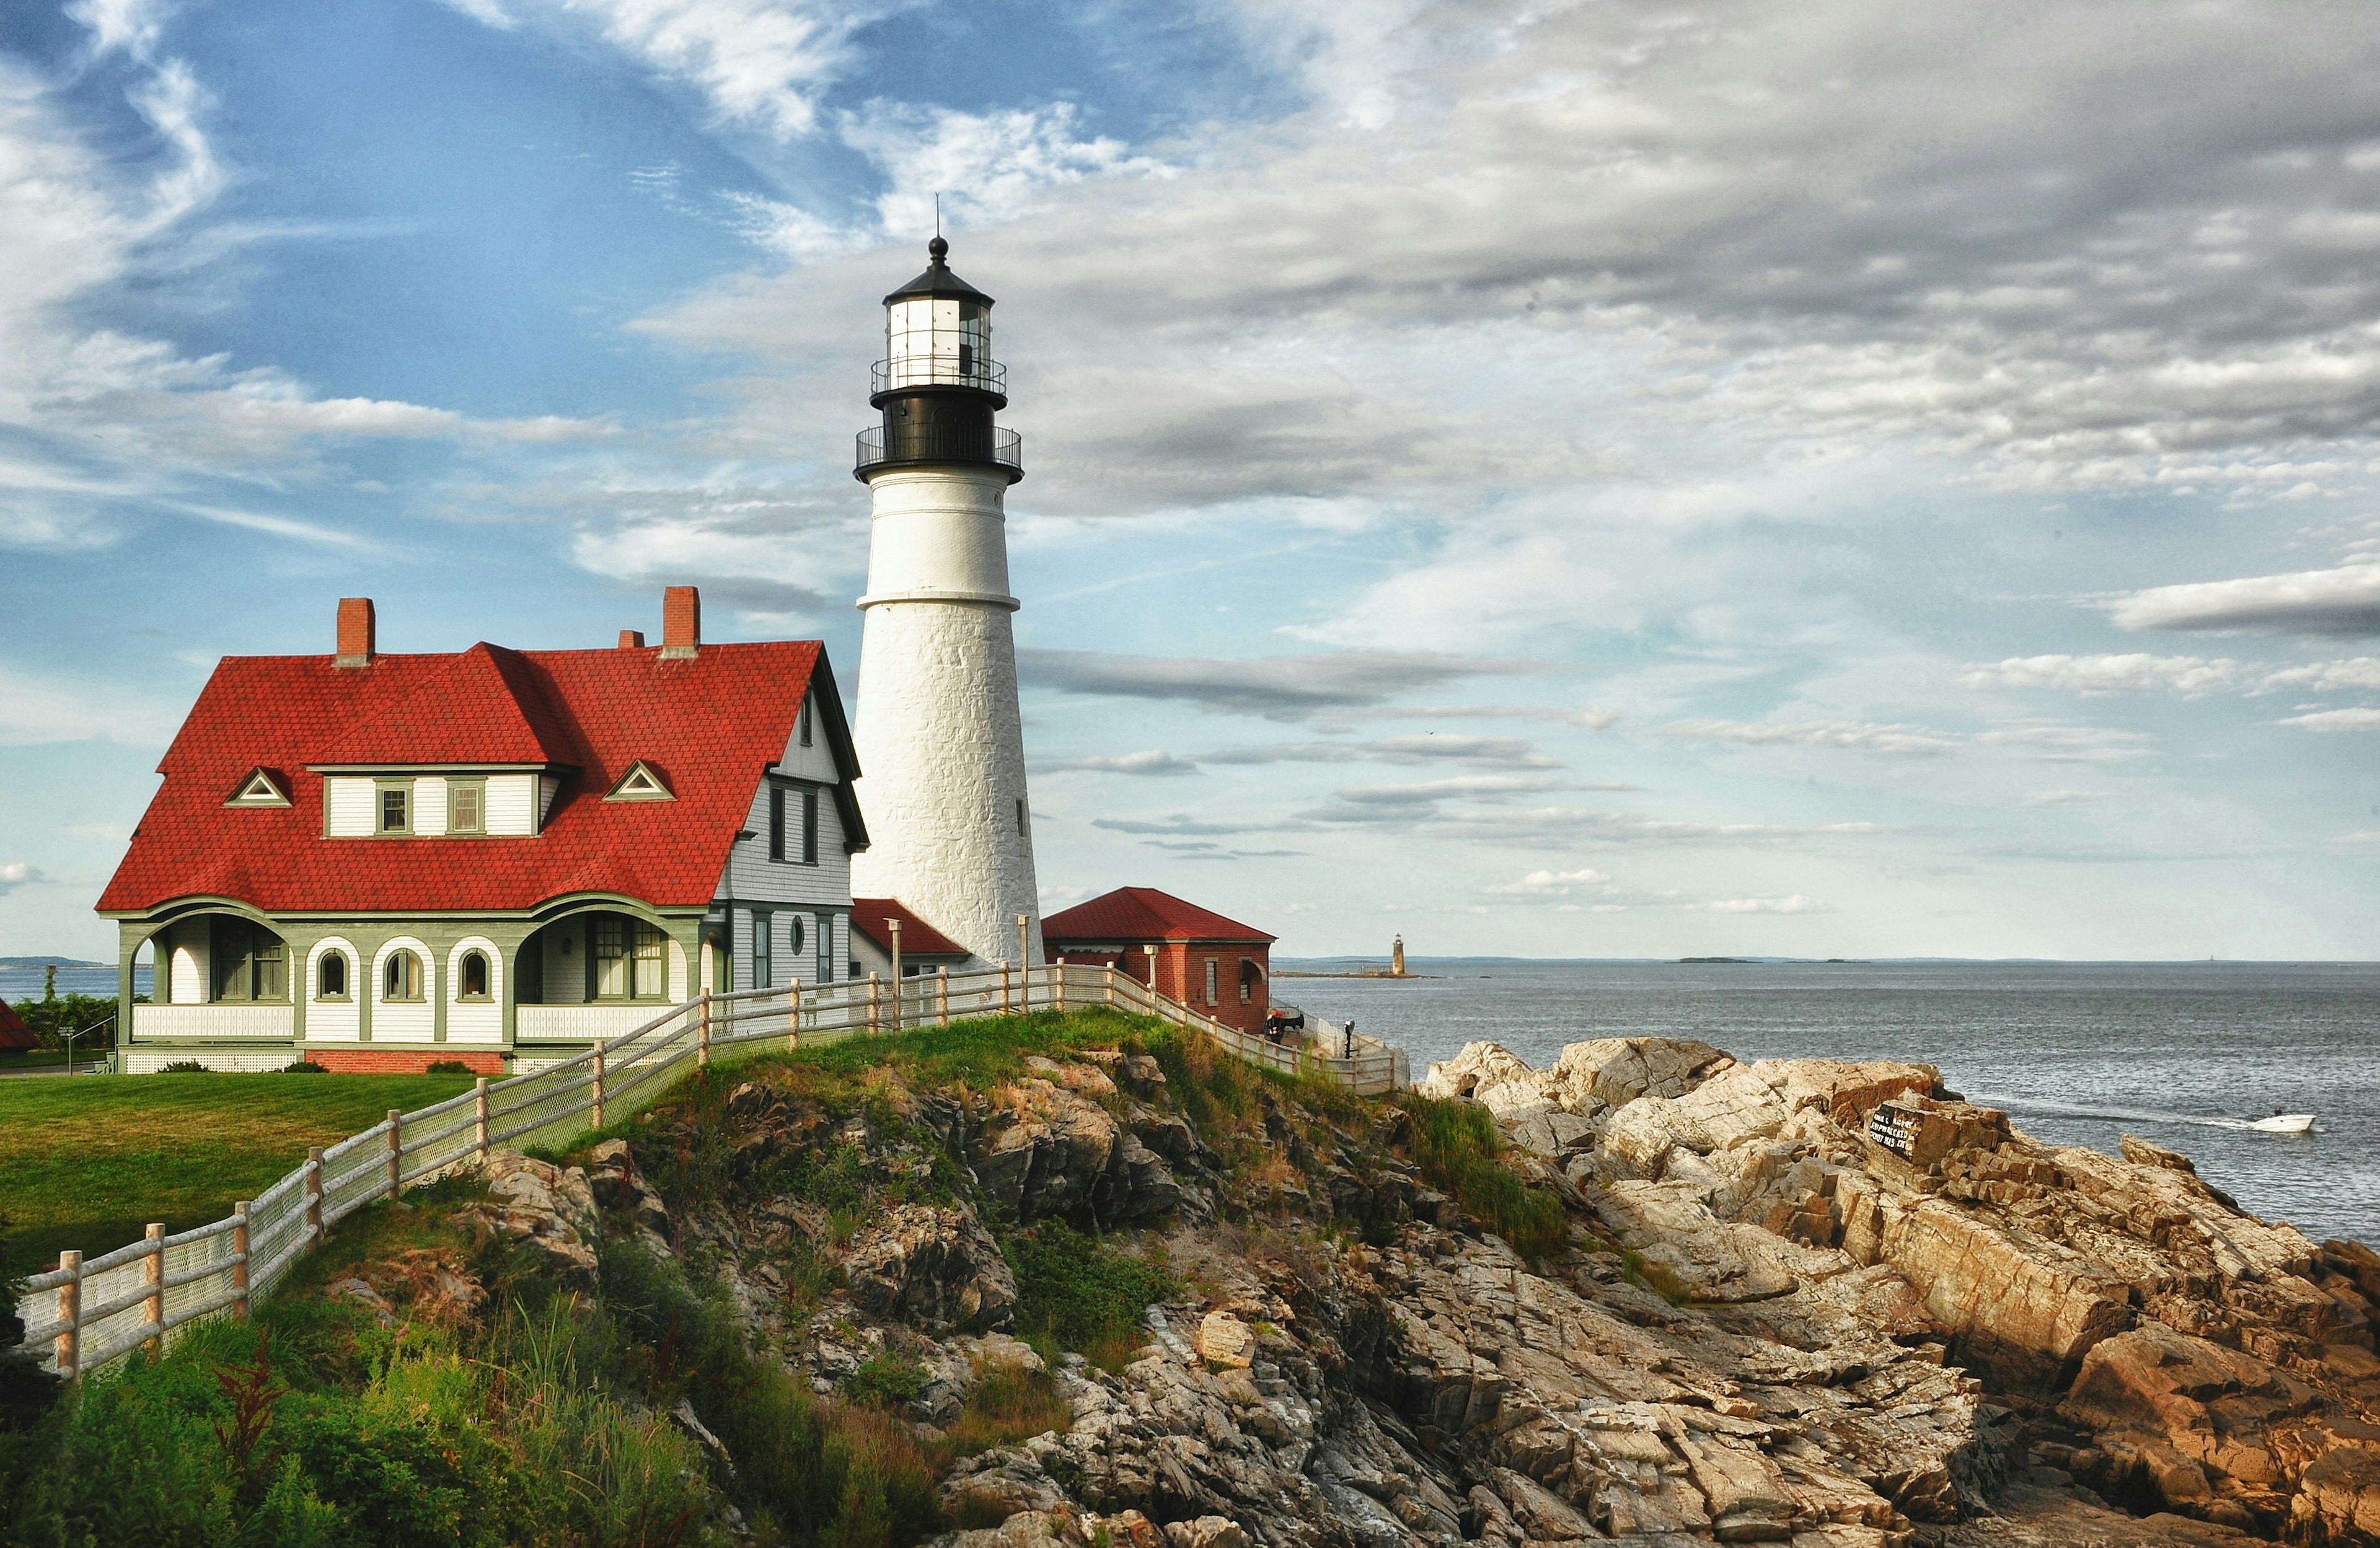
(1156, 761)
(2099, 676)
(1551, 884)
(1795, 903)
(2358, 719)
(2059, 798)
(1852, 736)
(1276, 687)
(2343, 600)
(16, 873)
(990, 166)
(2072, 744)
(2360, 671)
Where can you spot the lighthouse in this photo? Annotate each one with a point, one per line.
(939, 740)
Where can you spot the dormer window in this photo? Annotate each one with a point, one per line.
(396, 806)
(642, 783)
(805, 721)
(467, 805)
(259, 789)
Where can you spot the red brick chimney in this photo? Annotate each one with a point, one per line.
(357, 632)
(632, 639)
(681, 623)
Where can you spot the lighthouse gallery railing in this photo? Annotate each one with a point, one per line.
(92, 1312)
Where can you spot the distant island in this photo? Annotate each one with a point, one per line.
(49, 961)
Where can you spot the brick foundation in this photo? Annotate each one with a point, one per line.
(403, 1061)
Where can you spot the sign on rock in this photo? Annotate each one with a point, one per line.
(1895, 1128)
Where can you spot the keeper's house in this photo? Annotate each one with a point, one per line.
(1195, 955)
(495, 856)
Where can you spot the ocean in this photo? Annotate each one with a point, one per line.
(2180, 1054)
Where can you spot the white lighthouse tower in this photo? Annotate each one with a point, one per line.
(940, 743)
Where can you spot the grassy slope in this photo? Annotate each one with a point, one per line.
(87, 1163)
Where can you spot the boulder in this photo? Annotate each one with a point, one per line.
(1223, 1339)
(549, 1210)
(936, 1267)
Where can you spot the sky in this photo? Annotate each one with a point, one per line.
(1541, 478)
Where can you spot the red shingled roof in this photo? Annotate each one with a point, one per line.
(14, 1033)
(714, 722)
(918, 938)
(1142, 913)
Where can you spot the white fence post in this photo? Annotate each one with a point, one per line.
(396, 1155)
(153, 1279)
(313, 1193)
(702, 1037)
(875, 1003)
(943, 990)
(480, 1119)
(70, 1344)
(1003, 985)
(1058, 984)
(239, 1260)
(596, 1103)
(793, 1019)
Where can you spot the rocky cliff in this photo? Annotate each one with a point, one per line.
(1759, 1324)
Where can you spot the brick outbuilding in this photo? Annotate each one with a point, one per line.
(1198, 955)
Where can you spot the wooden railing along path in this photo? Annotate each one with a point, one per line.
(92, 1311)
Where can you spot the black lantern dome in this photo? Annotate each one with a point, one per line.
(937, 385)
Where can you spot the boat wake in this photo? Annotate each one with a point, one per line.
(2134, 1115)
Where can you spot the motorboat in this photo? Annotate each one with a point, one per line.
(2285, 1123)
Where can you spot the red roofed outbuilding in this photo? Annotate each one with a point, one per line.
(381, 861)
(1195, 955)
(923, 948)
(14, 1035)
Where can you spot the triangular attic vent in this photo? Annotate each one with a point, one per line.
(259, 789)
(642, 783)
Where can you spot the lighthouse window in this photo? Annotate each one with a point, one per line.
(1020, 816)
(967, 359)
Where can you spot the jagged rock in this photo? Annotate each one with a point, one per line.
(1223, 1339)
(1057, 1153)
(547, 1208)
(1207, 1531)
(936, 1267)
(615, 1183)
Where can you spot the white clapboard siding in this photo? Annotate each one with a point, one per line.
(565, 961)
(512, 804)
(190, 947)
(404, 1021)
(813, 762)
(332, 1021)
(348, 800)
(475, 1020)
(430, 806)
(753, 878)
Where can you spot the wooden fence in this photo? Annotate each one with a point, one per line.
(90, 1313)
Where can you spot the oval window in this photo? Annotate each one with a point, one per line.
(794, 932)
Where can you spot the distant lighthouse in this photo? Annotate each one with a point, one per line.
(940, 743)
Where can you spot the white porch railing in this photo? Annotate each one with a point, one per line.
(578, 1023)
(92, 1312)
(241, 1021)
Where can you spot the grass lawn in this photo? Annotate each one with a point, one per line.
(88, 1162)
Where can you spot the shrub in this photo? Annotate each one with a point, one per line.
(450, 1066)
(1008, 1403)
(182, 1066)
(885, 1380)
(304, 1067)
(1075, 1292)
(1455, 1145)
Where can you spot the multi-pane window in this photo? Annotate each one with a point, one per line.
(763, 972)
(631, 959)
(776, 822)
(396, 808)
(467, 805)
(826, 948)
(809, 827)
(1210, 980)
(401, 976)
(250, 963)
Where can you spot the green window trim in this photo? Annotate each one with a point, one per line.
(402, 979)
(627, 960)
(401, 791)
(465, 975)
(467, 805)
